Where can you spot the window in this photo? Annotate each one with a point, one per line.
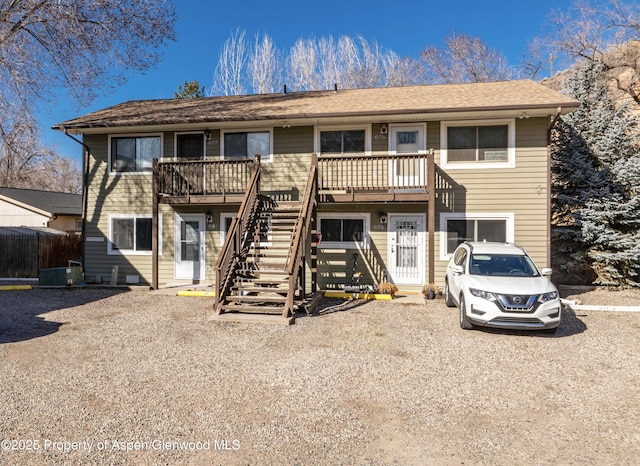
(225, 225)
(475, 144)
(458, 228)
(340, 142)
(190, 146)
(130, 234)
(134, 153)
(344, 231)
(246, 145)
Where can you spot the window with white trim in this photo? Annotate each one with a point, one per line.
(134, 153)
(348, 231)
(343, 140)
(189, 146)
(132, 234)
(457, 228)
(478, 144)
(247, 144)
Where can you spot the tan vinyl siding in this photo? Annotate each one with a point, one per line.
(213, 145)
(292, 148)
(113, 194)
(335, 265)
(521, 190)
(379, 142)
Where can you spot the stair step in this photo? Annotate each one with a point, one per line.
(274, 246)
(266, 281)
(261, 289)
(270, 298)
(269, 255)
(252, 309)
(288, 205)
(261, 272)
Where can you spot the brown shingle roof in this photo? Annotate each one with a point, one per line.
(505, 95)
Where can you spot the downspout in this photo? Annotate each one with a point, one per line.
(554, 120)
(85, 176)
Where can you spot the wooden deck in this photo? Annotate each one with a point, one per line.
(342, 178)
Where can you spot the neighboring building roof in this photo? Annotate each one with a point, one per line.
(31, 231)
(522, 95)
(47, 202)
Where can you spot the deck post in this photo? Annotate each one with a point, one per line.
(314, 229)
(431, 211)
(154, 226)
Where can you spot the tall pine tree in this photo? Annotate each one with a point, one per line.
(596, 175)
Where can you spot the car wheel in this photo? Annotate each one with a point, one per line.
(447, 295)
(464, 320)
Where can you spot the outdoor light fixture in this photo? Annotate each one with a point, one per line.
(383, 218)
(209, 218)
(207, 134)
(384, 128)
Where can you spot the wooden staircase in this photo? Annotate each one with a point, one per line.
(260, 273)
(261, 284)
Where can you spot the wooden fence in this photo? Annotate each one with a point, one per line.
(22, 256)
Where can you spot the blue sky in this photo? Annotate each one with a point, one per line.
(404, 26)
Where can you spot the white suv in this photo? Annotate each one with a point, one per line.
(498, 285)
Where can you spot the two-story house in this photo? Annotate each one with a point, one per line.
(391, 178)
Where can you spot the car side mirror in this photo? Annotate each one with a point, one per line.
(546, 272)
(457, 269)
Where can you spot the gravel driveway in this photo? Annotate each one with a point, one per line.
(107, 377)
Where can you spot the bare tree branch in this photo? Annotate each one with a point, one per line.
(464, 59)
(76, 49)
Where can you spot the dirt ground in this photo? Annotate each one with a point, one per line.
(100, 376)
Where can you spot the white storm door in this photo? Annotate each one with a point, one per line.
(406, 249)
(404, 172)
(189, 246)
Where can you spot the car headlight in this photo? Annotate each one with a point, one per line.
(482, 294)
(548, 296)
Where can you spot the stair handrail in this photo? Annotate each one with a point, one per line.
(236, 237)
(299, 243)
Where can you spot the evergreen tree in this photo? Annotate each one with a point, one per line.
(575, 178)
(596, 173)
(189, 89)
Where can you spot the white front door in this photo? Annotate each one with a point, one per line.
(189, 246)
(406, 251)
(407, 173)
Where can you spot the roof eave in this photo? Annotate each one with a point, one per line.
(429, 114)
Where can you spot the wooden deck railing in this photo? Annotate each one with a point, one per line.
(295, 262)
(373, 172)
(203, 177)
(237, 237)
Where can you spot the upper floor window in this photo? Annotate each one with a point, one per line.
(134, 153)
(475, 144)
(246, 145)
(342, 142)
(189, 146)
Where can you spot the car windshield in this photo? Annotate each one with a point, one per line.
(502, 265)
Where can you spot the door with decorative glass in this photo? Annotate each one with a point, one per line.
(407, 173)
(189, 246)
(406, 249)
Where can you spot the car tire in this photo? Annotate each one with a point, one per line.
(447, 295)
(464, 320)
